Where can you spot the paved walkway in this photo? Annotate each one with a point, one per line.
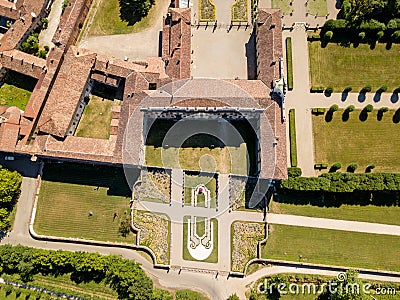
(54, 17)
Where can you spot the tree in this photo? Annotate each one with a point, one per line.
(31, 45)
(125, 227)
(384, 109)
(382, 89)
(369, 108)
(347, 89)
(352, 167)
(334, 108)
(159, 294)
(233, 297)
(328, 35)
(132, 11)
(294, 172)
(336, 166)
(366, 89)
(329, 90)
(350, 108)
(361, 35)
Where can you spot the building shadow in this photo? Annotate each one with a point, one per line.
(251, 57)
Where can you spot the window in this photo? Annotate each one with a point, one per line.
(152, 86)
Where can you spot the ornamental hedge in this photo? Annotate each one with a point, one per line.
(292, 138)
(289, 61)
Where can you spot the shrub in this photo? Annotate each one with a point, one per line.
(294, 172)
(45, 22)
(292, 138)
(369, 108)
(347, 89)
(380, 35)
(372, 25)
(317, 89)
(188, 295)
(65, 4)
(384, 109)
(289, 62)
(335, 24)
(328, 35)
(396, 90)
(233, 297)
(350, 108)
(370, 168)
(334, 108)
(366, 89)
(329, 90)
(336, 166)
(396, 36)
(382, 89)
(352, 167)
(361, 35)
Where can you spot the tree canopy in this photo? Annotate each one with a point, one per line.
(133, 11)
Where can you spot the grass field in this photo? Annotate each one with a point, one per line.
(370, 213)
(106, 19)
(16, 90)
(372, 141)
(67, 195)
(317, 7)
(224, 160)
(333, 247)
(213, 258)
(284, 5)
(96, 119)
(191, 181)
(376, 67)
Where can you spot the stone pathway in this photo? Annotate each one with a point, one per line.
(54, 17)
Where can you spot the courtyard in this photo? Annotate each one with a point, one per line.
(16, 89)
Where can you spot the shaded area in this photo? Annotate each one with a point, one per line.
(133, 11)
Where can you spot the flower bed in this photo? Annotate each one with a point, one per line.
(239, 11)
(154, 233)
(245, 238)
(207, 11)
(154, 185)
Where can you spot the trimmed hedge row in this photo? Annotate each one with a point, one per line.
(344, 182)
(292, 138)
(289, 61)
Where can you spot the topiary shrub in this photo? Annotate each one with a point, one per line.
(329, 90)
(352, 167)
(333, 108)
(350, 108)
(347, 89)
(294, 172)
(384, 109)
(328, 35)
(369, 108)
(361, 35)
(317, 89)
(380, 34)
(366, 89)
(397, 90)
(382, 89)
(370, 168)
(336, 166)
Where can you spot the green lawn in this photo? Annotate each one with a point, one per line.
(16, 90)
(333, 247)
(213, 258)
(96, 119)
(191, 181)
(224, 160)
(69, 192)
(370, 213)
(354, 141)
(284, 5)
(106, 19)
(317, 7)
(355, 67)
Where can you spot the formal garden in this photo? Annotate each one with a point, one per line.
(98, 196)
(240, 11)
(245, 237)
(203, 183)
(240, 191)
(373, 134)
(317, 8)
(96, 118)
(284, 5)
(332, 247)
(207, 11)
(201, 232)
(154, 185)
(154, 232)
(16, 89)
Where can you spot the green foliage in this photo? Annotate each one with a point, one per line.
(289, 62)
(31, 45)
(125, 227)
(328, 35)
(41, 53)
(382, 89)
(368, 108)
(396, 36)
(372, 25)
(336, 166)
(350, 108)
(292, 138)
(361, 35)
(65, 4)
(124, 276)
(233, 297)
(331, 25)
(334, 108)
(159, 294)
(380, 34)
(352, 167)
(351, 279)
(366, 89)
(45, 22)
(294, 172)
(384, 109)
(347, 89)
(133, 11)
(188, 295)
(317, 89)
(329, 90)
